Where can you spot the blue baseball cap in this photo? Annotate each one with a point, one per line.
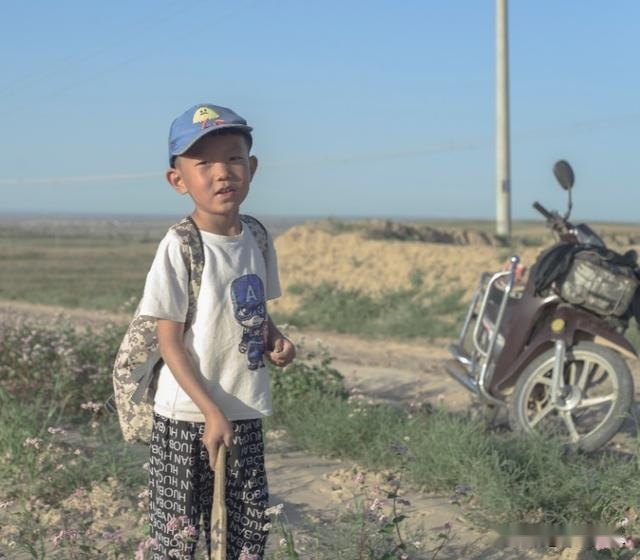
(198, 121)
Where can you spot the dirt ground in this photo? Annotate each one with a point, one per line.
(404, 373)
(315, 488)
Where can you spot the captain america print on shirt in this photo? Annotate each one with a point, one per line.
(249, 308)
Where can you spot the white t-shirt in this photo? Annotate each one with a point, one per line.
(226, 340)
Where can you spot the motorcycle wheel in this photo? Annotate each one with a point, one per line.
(597, 395)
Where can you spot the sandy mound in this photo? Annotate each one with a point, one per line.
(377, 256)
(309, 255)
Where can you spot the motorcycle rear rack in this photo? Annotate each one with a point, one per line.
(464, 367)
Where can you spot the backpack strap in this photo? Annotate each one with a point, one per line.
(192, 250)
(259, 232)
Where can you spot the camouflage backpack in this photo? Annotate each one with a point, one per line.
(138, 361)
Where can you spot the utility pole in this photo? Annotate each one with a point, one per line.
(503, 166)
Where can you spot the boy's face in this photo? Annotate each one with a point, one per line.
(216, 172)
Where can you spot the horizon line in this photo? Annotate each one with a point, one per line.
(33, 214)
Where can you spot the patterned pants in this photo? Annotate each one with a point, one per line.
(181, 490)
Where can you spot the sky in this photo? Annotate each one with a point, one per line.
(377, 108)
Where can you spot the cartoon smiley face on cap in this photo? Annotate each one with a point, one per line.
(204, 114)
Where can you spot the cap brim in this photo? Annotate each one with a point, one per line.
(205, 131)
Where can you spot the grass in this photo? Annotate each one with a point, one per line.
(409, 313)
(66, 472)
(107, 273)
(71, 489)
(103, 273)
(105, 269)
(509, 478)
(93, 273)
(48, 371)
(633, 335)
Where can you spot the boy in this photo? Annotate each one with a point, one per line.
(213, 388)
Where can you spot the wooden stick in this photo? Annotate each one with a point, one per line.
(219, 510)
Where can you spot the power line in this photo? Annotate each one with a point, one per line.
(65, 64)
(74, 81)
(117, 177)
(569, 129)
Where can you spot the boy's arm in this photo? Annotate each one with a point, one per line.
(217, 428)
(281, 350)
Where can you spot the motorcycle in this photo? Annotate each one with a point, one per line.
(551, 349)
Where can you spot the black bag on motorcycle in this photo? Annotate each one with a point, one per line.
(596, 283)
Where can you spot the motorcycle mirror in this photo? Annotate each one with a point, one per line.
(564, 174)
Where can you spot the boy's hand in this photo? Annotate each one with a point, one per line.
(283, 351)
(217, 430)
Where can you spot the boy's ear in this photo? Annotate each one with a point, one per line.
(174, 178)
(253, 165)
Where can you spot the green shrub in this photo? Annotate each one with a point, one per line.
(66, 366)
(633, 335)
(309, 374)
(401, 314)
(531, 241)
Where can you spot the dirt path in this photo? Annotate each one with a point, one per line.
(315, 488)
(387, 369)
